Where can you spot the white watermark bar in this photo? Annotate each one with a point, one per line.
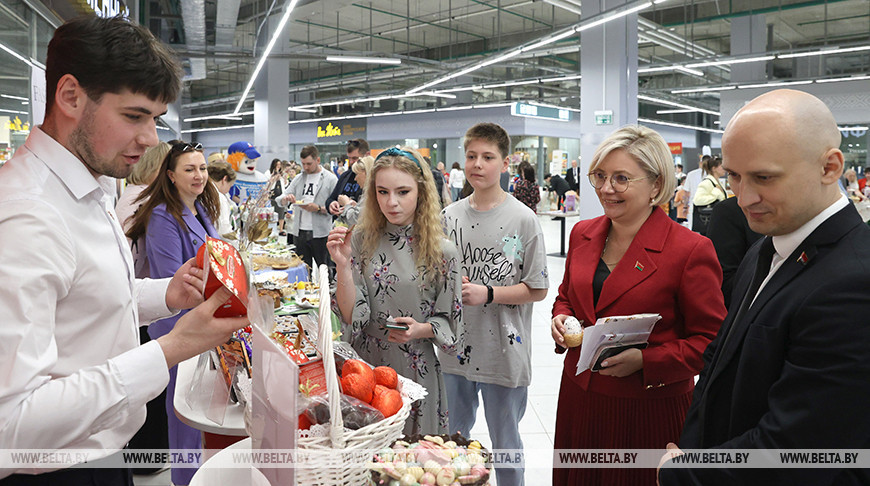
(48, 459)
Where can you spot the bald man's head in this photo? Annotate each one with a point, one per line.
(781, 152)
(806, 122)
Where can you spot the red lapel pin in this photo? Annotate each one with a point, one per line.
(803, 259)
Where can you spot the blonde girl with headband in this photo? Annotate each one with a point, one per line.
(397, 268)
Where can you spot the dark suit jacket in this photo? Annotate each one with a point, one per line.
(796, 372)
(573, 182)
(558, 185)
(668, 270)
(731, 236)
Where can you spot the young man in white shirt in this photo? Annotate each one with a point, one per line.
(73, 374)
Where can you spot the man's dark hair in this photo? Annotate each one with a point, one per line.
(358, 143)
(309, 151)
(109, 55)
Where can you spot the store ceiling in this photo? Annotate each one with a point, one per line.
(217, 38)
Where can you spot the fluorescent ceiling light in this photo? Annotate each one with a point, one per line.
(824, 52)
(464, 88)
(676, 105)
(770, 85)
(549, 40)
(227, 116)
(13, 97)
(197, 130)
(13, 111)
(614, 16)
(660, 69)
(686, 70)
(848, 78)
(850, 129)
(284, 18)
(703, 90)
(558, 79)
(679, 125)
(364, 60)
(510, 83)
(303, 110)
(674, 111)
(15, 54)
(212, 117)
(729, 61)
(565, 5)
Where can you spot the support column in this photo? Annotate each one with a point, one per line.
(271, 133)
(608, 63)
(748, 36)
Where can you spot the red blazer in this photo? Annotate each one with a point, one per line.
(668, 270)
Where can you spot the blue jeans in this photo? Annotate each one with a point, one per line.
(454, 191)
(503, 407)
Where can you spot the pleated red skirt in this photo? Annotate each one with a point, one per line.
(587, 420)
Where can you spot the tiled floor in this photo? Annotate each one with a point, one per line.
(538, 424)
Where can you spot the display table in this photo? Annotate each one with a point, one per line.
(234, 419)
(298, 273)
(561, 217)
(222, 469)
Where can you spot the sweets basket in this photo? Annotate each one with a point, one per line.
(333, 469)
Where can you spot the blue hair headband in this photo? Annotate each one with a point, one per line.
(393, 151)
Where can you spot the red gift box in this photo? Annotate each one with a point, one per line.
(224, 269)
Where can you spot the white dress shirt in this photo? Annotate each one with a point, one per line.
(784, 245)
(72, 373)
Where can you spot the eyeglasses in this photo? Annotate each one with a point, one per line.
(352, 143)
(619, 182)
(186, 147)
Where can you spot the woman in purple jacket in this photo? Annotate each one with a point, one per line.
(181, 204)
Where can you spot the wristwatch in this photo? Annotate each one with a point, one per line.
(489, 295)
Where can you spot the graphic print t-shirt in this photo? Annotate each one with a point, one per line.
(310, 185)
(500, 247)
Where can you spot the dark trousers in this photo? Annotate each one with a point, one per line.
(308, 247)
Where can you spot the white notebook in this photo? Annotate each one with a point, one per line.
(612, 331)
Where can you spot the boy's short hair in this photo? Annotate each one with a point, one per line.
(109, 55)
(492, 133)
(309, 151)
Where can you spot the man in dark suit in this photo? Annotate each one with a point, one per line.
(731, 236)
(572, 177)
(789, 367)
(557, 185)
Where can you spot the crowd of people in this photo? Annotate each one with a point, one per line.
(781, 357)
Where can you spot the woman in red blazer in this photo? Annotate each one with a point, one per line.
(634, 260)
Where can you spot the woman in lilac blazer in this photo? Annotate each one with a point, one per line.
(181, 204)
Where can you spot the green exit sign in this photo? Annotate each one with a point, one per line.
(604, 117)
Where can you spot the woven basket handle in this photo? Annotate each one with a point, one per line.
(324, 344)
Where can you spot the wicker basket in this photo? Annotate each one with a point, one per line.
(333, 469)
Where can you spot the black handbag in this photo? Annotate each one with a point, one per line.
(701, 214)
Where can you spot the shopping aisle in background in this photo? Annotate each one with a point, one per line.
(539, 423)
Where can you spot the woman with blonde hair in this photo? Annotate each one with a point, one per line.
(396, 268)
(633, 260)
(144, 172)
